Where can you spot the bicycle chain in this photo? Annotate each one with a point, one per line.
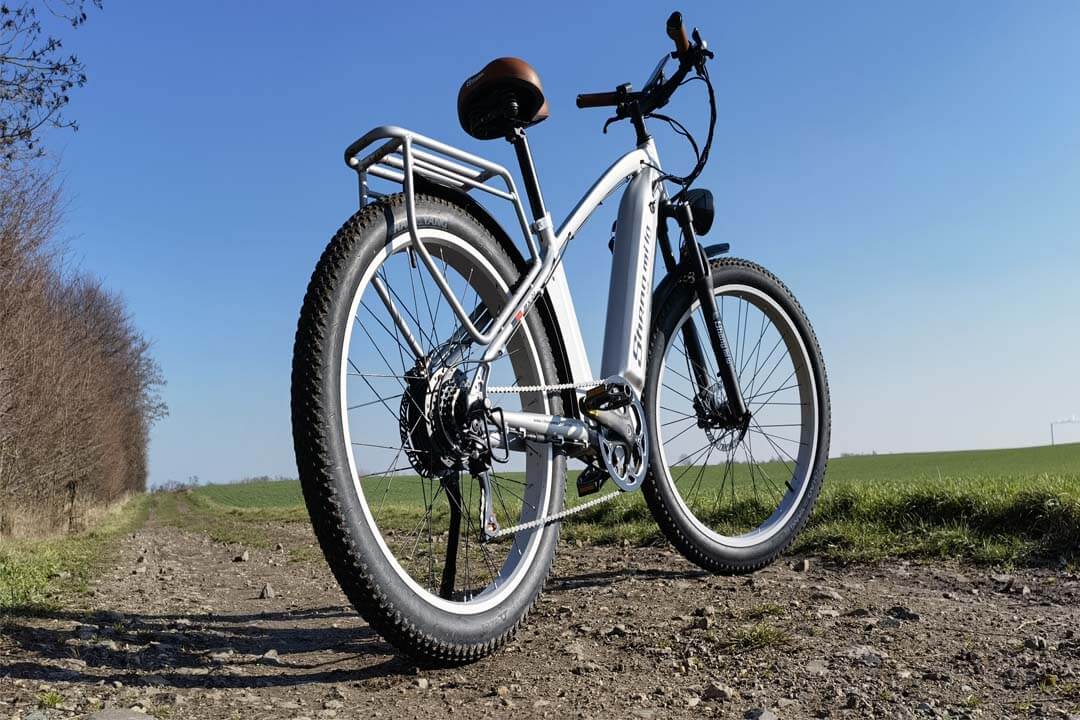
(504, 389)
(554, 517)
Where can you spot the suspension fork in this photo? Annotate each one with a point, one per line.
(692, 259)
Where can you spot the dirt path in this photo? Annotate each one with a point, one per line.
(621, 633)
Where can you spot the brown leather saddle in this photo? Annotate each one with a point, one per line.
(505, 95)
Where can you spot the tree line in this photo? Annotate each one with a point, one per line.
(79, 389)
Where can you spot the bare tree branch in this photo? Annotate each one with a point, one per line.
(79, 389)
(36, 76)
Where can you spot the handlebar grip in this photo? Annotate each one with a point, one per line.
(677, 32)
(592, 100)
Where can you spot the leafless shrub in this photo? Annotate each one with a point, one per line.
(78, 387)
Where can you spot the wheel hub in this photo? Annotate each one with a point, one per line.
(724, 430)
(433, 420)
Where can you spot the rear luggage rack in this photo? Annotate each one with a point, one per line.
(402, 157)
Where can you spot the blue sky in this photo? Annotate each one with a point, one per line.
(912, 171)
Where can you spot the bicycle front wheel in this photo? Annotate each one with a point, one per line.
(733, 496)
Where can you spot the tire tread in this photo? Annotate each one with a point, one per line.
(654, 498)
(311, 421)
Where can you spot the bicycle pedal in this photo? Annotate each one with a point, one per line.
(608, 396)
(590, 480)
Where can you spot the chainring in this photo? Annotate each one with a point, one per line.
(627, 463)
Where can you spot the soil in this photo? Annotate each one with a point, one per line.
(621, 632)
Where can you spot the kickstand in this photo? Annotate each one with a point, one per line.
(487, 502)
(452, 485)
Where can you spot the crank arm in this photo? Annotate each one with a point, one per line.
(618, 423)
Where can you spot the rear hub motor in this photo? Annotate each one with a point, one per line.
(433, 419)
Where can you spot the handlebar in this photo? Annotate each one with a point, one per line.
(643, 104)
(677, 32)
(690, 56)
(601, 99)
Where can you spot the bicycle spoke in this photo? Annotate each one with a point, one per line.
(701, 473)
(379, 351)
(680, 434)
(753, 378)
(677, 420)
(762, 472)
(357, 373)
(384, 447)
(777, 448)
(757, 348)
(395, 335)
(519, 498)
(374, 402)
(677, 393)
(676, 412)
(413, 314)
(773, 393)
(381, 399)
(741, 492)
(754, 387)
(432, 527)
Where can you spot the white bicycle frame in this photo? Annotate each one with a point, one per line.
(403, 155)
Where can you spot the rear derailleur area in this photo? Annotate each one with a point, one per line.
(444, 432)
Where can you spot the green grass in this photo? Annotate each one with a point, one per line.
(989, 506)
(206, 510)
(49, 700)
(759, 635)
(38, 574)
(254, 495)
(996, 506)
(760, 612)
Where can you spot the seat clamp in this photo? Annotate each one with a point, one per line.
(541, 225)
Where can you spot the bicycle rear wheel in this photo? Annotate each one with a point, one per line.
(378, 433)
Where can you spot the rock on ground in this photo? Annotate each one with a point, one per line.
(620, 632)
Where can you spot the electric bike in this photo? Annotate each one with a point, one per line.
(440, 381)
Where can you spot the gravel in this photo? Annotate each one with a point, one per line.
(653, 638)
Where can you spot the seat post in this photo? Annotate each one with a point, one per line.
(528, 172)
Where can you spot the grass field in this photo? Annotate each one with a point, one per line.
(990, 506)
(1003, 507)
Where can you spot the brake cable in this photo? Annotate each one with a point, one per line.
(679, 128)
(702, 157)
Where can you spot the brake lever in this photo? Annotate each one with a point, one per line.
(611, 120)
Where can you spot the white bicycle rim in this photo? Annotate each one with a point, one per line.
(539, 470)
(809, 401)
